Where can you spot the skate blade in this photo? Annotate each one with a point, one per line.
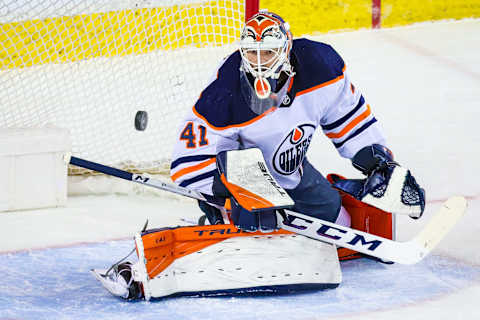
(115, 288)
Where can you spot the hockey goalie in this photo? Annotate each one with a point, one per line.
(243, 146)
(242, 249)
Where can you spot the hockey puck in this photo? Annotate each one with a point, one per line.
(141, 120)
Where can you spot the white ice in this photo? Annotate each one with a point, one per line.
(423, 84)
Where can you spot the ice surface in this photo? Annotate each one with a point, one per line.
(423, 85)
(56, 284)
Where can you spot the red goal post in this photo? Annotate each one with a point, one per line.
(251, 7)
(376, 14)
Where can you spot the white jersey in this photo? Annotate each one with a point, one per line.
(320, 94)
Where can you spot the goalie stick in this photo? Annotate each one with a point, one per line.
(137, 178)
(254, 201)
(408, 252)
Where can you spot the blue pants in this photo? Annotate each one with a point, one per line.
(314, 196)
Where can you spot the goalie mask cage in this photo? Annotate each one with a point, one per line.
(90, 65)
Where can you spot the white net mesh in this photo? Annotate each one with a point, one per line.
(90, 65)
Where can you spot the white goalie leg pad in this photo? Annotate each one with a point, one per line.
(245, 264)
(139, 269)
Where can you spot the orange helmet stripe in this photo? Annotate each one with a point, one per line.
(260, 26)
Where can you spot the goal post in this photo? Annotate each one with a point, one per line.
(89, 66)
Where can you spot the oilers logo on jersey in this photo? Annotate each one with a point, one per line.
(292, 150)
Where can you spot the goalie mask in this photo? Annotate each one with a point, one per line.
(265, 49)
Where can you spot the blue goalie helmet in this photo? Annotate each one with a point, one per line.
(265, 46)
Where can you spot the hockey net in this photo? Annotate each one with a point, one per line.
(89, 66)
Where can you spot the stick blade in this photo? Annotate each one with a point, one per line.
(440, 224)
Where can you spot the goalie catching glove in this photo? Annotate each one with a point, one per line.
(388, 186)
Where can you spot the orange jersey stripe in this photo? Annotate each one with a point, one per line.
(291, 84)
(351, 125)
(187, 170)
(243, 124)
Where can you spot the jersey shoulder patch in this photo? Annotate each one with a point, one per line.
(315, 63)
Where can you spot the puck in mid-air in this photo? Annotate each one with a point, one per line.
(141, 120)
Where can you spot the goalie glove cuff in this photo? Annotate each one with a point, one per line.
(372, 159)
(265, 221)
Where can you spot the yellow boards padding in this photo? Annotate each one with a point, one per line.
(403, 12)
(311, 16)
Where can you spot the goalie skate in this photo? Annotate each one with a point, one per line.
(118, 281)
